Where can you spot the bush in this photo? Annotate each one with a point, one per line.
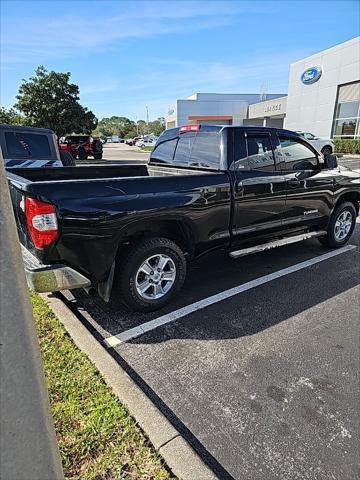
(347, 145)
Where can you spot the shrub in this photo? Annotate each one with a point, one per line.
(347, 145)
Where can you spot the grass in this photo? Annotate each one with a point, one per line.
(97, 437)
(147, 149)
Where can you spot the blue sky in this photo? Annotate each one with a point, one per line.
(125, 55)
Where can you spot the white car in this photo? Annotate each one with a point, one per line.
(146, 142)
(323, 145)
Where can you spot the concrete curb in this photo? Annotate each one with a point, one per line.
(183, 461)
(348, 156)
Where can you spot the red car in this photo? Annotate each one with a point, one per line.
(82, 146)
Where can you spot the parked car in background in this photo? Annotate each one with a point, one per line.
(146, 142)
(29, 147)
(323, 145)
(82, 146)
(132, 141)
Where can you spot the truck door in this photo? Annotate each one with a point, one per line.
(259, 184)
(309, 189)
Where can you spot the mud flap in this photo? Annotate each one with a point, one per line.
(104, 288)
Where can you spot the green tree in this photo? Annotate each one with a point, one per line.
(157, 126)
(49, 100)
(12, 117)
(142, 127)
(115, 126)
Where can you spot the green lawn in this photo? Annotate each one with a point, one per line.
(147, 149)
(98, 439)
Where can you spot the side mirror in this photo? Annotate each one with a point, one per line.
(330, 161)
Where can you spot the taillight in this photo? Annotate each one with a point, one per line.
(189, 128)
(41, 221)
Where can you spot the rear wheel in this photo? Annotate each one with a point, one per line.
(82, 154)
(151, 274)
(98, 156)
(341, 226)
(67, 159)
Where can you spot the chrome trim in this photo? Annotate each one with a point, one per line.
(276, 243)
(50, 278)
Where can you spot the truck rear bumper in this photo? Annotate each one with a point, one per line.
(51, 278)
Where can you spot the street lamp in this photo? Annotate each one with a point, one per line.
(147, 119)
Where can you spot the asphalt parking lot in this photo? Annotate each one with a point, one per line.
(263, 380)
(121, 151)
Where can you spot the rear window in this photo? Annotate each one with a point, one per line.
(164, 151)
(77, 139)
(205, 152)
(184, 149)
(27, 145)
(196, 150)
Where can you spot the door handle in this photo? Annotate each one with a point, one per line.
(294, 183)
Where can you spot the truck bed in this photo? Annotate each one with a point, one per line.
(87, 172)
(97, 208)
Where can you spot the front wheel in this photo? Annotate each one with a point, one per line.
(151, 274)
(341, 226)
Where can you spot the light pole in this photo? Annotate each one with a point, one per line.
(147, 119)
(137, 127)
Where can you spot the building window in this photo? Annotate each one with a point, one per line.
(347, 112)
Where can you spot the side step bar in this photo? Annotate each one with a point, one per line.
(276, 243)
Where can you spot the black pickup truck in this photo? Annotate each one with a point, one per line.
(129, 230)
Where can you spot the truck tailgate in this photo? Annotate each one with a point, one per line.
(17, 199)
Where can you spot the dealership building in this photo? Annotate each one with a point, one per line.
(323, 98)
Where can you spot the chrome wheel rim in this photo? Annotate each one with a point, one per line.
(343, 225)
(155, 277)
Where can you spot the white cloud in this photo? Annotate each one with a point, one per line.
(59, 36)
(159, 88)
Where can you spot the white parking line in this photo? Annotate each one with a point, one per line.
(115, 340)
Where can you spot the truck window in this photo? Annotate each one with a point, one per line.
(259, 154)
(184, 148)
(205, 152)
(295, 155)
(27, 145)
(164, 151)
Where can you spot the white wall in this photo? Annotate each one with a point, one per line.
(217, 104)
(311, 107)
(186, 108)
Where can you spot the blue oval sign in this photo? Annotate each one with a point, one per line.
(311, 75)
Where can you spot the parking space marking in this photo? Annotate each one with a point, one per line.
(127, 335)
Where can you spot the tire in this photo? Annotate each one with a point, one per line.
(344, 214)
(97, 146)
(98, 156)
(67, 159)
(327, 150)
(82, 154)
(149, 254)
